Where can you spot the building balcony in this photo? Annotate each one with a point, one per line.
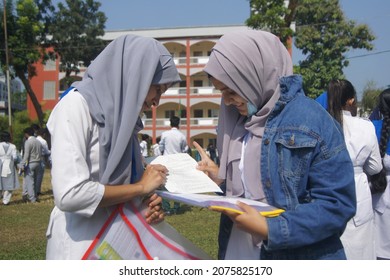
(194, 60)
(183, 122)
(193, 91)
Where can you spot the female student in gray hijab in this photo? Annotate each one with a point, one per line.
(96, 158)
(277, 146)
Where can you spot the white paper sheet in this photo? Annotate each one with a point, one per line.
(184, 177)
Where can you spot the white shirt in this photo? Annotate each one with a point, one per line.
(45, 147)
(156, 149)
(144, 148)
(173, 142)
(76, 219)
(363, 148)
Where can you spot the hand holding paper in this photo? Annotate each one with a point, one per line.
(221, 203)
(249, 220)
(184, 177)
(185, 183)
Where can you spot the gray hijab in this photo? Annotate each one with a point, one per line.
(249, 63)
(115, 86)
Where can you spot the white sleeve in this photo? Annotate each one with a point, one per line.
(373, 164)
(71, 130)
(45, 149)
(14, 152)
(161, 144)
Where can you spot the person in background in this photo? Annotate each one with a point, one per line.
(381, 201)
(96, 159)
(144, 145)
(45, 158)
(212, 152)
(36, 129)
(323, 100)
(8, 159)
(278, 146)
(172, 141)
(31, 165)
(363, 149)
(156, 147)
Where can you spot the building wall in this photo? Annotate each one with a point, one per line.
(45, 86)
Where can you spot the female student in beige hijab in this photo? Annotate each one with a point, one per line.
(277, 146)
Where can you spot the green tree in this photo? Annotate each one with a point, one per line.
(20, 122)
(74, 34)
(323, 34)
(76, 29)
(273, 16)
(370, 98)
(26, 33)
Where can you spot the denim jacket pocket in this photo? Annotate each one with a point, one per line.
(295, 152)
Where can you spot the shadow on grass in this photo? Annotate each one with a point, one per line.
(44, 196)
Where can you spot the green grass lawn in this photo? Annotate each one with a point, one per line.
(23, 226)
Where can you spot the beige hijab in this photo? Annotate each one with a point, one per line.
(250, 63)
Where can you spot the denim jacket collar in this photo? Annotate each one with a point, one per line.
(290, 86)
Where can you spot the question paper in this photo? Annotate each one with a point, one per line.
(183, 176)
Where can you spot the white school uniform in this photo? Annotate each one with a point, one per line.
(382, 216)
(76, 219)
(359, 236)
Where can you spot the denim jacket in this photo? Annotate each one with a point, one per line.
(306, 170)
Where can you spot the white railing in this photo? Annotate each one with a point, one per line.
(193, 91)
(183, 122)
(179, 61)
(199, 59)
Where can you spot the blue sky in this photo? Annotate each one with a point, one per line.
(364, 66)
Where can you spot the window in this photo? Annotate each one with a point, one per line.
(199, 141)
(169, 113)
(49, 90)
(50, 65)
(212, 113)
(198, 53)
(198, 83)
(148, 114)
(198, 113)
(213, 141)
(183, 113)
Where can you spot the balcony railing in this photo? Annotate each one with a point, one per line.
(180, 61)
(183, 122)
(193, 91)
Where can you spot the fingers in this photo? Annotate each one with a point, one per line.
(200, 150)
(158, 167)
(162, 171)
(204, 167)
(245, 207)
(157, 219)
(154, 200)
(154, 216)
(154, 176)
(231, 214)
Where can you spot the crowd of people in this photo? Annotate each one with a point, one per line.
(274, 145)
(29, 162)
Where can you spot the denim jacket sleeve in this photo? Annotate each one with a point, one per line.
(313, 181)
